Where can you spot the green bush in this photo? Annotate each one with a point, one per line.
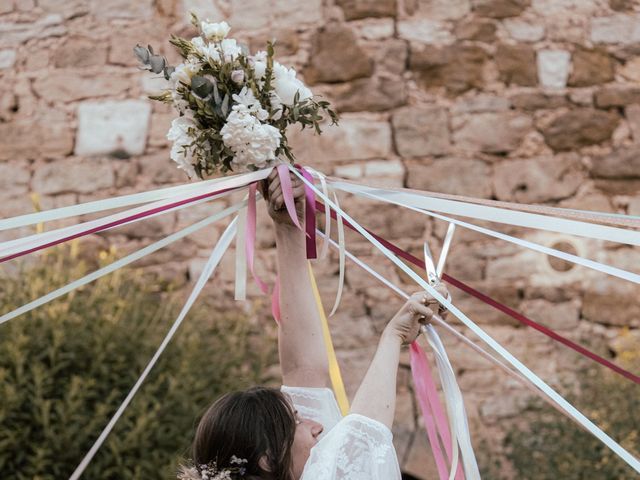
(548, 446)
(65, 368)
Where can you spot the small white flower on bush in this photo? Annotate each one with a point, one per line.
(215, 31)
(286, 85)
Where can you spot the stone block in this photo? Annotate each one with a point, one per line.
(335, 56)
(580, 128)
(618, 96)
(491, 132)
(49, 135)
(632, 113)
(499, 8)
(557, 316)
(287, 41)
(613, 302)
(421, 131)
(14, 179)
(374, 28)
(389, 56)
(451, 175)
(354, 139)
(538, 180)
(553, 68)
(66, 8)
(516, 64)
(479, 29)
(524, 31)
(458, 68)
(378, 93)
(538, 101)
(618, 28)
(15, 34)
(6, 6)
(79, 52)
(483, 102)
(443, 9)
(622, 164)
(274, 13)
(70, 86)
(105, 127)
(121, 9)
(7, 59)
(204, 9)
(357, 9)
(631, 70)
(591, 67)
(73, 175)
(424, 30)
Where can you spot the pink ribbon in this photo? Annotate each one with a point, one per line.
(432, 409)
(251, 236)
(287, 193)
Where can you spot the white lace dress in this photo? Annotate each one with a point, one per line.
(354, 447)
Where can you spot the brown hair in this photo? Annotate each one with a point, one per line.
(249, 424)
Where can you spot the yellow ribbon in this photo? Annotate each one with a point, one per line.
(334, 368)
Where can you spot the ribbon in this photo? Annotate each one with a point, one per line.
(310, 216)
(342, 259)
(455, 405)
(212, 263)
(241, 257)
(334, 368)
(119, 263)
(570, 409)
(492, 214)
(421, 376)
(251, 237)
(503, 308)
(287, 193)
(585, 262)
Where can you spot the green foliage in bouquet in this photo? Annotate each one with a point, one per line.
(545, 445)
(65, 367)
(215, 71)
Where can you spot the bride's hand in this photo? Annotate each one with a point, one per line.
(272, 193)
(417, 311)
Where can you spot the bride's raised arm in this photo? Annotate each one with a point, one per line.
(303, 357)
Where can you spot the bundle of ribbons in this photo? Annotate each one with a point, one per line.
(446, 425)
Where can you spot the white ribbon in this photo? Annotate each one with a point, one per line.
(119, 263)
(241, 256)
(585, 262)
(455, 406)
(109, 203)
(493, 214)
(327, 214)
(342, 254)
(570, 409)
(214, 259)
(34, 241)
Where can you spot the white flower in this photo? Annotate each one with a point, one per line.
(209, 52)
(184, 72)
(247, 102)
(252, 142)
(230, 49)
(237, 77)
(179, 135)
(286, 85)
(215, 31)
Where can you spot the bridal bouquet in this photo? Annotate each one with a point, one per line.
(234, 107)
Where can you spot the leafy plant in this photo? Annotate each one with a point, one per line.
(65, 367)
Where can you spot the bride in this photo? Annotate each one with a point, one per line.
(297, 431)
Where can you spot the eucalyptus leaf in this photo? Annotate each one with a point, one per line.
(201, 86)
(142, 54)
(157, 63)
(225, 105)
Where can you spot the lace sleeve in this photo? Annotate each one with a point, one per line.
(317, 404)
(357, 448)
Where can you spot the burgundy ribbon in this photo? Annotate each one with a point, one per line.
(499, 306)
(310, 216)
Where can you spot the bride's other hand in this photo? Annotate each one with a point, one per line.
(271, 190)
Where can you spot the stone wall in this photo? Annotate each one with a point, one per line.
(532, 101)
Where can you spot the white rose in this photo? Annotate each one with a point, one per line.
(230, 49)
(259, 69)
(286, 85)
(215, 31)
